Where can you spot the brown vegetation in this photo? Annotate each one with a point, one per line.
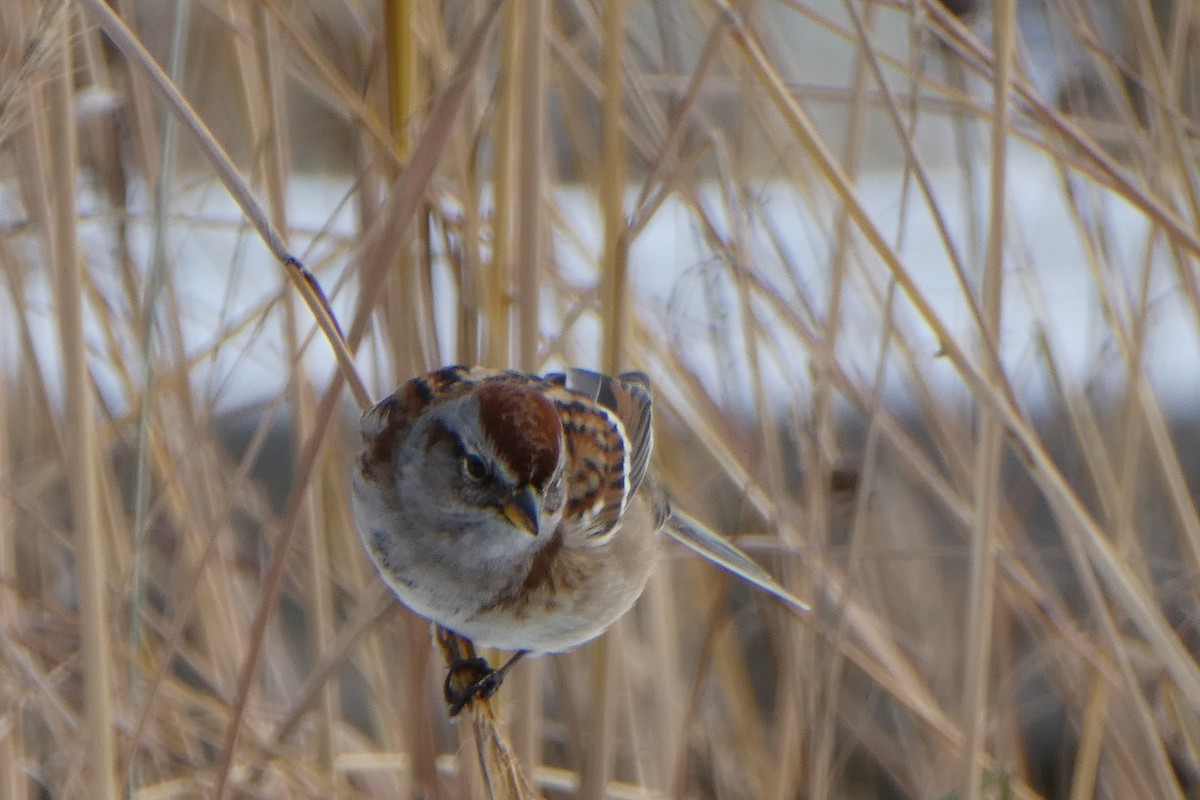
(1003, 587)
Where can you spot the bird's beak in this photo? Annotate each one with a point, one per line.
(522, 509)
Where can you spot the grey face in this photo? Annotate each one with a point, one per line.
(475, 512)
(461, 461)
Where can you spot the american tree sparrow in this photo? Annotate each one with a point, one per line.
(509, 508)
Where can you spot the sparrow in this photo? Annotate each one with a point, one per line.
(510, 508)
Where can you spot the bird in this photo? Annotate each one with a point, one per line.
(512, 509)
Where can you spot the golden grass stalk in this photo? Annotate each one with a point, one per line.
(401, 52)
(80, 442)
(12, 778)
(614, 303)
(989, 447)
(497, 281)
(529, 202)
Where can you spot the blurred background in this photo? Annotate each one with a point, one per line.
(916, 284)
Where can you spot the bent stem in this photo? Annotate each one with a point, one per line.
(502, 774)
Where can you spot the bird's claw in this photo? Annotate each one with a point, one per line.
(468, 679)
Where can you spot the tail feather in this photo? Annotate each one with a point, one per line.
(699, 539)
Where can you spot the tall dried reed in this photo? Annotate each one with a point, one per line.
(227, 228)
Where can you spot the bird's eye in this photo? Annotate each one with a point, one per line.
(474, 467)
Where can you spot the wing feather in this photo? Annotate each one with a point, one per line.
(627, 396)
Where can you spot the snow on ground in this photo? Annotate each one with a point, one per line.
(221, 274)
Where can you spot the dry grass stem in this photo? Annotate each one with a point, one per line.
(917, 287)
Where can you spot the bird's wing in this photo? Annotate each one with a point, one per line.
(606, 468)
(627, 396)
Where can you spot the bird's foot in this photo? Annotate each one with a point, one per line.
(469, 679)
